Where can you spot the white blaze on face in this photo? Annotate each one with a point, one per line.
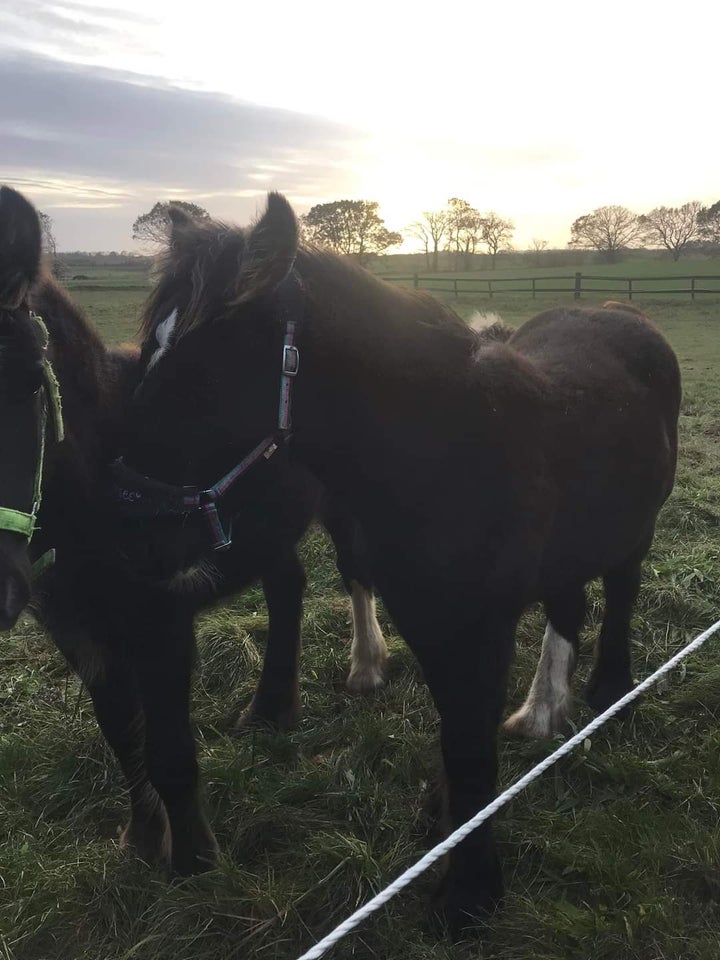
(163, 333)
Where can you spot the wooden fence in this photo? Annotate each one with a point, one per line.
(576, 284)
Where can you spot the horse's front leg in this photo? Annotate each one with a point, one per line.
(164, 658)
(467, 676)
(110, 680)
(276, 702)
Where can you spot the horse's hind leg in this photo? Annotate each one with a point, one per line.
(467, 675)
(545, 711)
(111, 683)
(368, 655)
(277, 699)
(611, 677)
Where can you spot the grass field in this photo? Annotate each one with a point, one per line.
(613, 856)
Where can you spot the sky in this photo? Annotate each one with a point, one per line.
(540, 111)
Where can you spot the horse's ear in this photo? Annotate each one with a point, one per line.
(20, 246)
(270, 252)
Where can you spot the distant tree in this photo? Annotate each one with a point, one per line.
(431, 231)
(673, 227)
(608, 230)
(496, 234)
(464, 229)
(352, 227)
(420, 231)
(537, 246)
(152, 227)
(49, 246)
(48, 237)
(709, 224)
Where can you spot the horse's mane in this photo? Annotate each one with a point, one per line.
(212, 252)
(202, 269)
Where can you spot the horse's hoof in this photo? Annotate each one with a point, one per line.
(537, 721)
(196, 852)
(603, 692)
(463, 912)
(255, 717)
(366, 679)
(149, 836)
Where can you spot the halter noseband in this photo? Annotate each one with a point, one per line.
(142, 496)
(18, 521)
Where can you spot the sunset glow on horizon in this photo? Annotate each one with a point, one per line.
(528, 110)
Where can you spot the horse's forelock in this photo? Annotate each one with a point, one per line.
(193, 276)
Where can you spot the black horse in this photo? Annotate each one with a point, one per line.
(133, 641)
(486, 475)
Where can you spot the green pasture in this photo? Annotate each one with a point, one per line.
(614, 855)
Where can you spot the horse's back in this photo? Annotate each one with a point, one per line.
(612, 347)
(611, 435)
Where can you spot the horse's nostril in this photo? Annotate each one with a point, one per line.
(14, 595)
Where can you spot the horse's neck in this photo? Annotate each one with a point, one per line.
(375, 370)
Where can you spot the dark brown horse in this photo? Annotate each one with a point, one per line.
(486, 475)
(132, 641)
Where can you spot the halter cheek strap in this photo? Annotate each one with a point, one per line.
(18, 521)
(139, 495)
(206, 500)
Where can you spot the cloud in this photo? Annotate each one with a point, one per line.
(88, 137)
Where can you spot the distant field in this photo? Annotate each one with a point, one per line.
(115, 312)
(613, 856)
(113, 298)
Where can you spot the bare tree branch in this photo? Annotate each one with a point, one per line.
(496, 234)
(608, 230)
(709, 224)
(152, 227)
(673, 227)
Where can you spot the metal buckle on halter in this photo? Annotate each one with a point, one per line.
(207, 504)
(290, 361)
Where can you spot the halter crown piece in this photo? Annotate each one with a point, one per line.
(18, 521)
(141, 496)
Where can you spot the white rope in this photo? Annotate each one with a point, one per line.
(457, 836)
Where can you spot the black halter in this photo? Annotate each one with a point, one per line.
(139, 496)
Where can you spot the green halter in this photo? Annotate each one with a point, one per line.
(17, 521)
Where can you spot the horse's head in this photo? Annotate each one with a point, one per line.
(211, 358)
(22, 412)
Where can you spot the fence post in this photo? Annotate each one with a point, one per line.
(578, 285)
(457, 295)
(533, 288)
(629, 289)
(416, 281)
(490, 289)
(692, 288)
